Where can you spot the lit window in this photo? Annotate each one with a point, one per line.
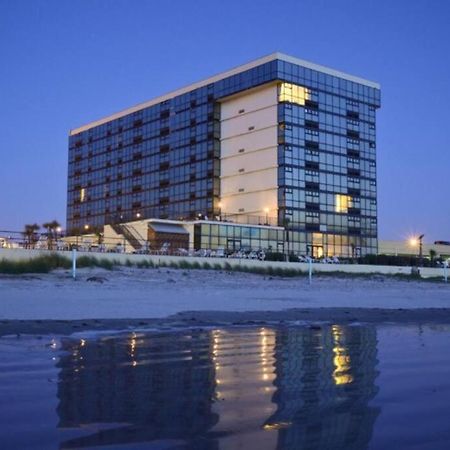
(294, 94)
(343, 202)
(82, 194)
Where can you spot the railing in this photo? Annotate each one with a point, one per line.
(100, 244)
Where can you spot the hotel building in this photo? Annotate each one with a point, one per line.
(278, 153)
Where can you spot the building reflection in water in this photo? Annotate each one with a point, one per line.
(141, 388)
(325, 381)
(234, 388)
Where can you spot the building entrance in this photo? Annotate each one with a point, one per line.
(315, 251)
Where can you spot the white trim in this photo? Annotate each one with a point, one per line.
(220, 76)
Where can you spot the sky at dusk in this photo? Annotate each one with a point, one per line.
(64, 63)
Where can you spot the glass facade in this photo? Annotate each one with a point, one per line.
(163, 161)
(236, 237)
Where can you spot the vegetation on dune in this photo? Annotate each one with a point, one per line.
(40, 264)
(47, 263)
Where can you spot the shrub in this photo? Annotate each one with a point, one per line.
(275, 256)
(183, 264)
(40, 264)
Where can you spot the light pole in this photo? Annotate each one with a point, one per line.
(421, 249)
(418, 241)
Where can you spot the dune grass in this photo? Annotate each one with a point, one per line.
(47, 263)
(40, 264)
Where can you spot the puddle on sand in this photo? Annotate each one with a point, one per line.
(299, 387)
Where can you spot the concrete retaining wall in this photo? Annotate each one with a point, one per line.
(426, 272)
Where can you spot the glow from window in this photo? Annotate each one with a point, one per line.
(343, 202)
(82, 194)
(293, 93)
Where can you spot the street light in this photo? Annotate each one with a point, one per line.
(421, 249)
(418, 241)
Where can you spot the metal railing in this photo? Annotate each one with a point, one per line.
(138, 245)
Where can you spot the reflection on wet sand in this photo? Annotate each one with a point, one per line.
(234, 388)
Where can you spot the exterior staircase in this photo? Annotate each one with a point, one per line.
(131, 235)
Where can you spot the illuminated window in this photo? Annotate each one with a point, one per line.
(294, 94)
(343, 202)
(82, 194)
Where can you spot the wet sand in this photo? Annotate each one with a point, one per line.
(205, 319)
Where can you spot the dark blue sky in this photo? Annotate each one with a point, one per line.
(65, 63)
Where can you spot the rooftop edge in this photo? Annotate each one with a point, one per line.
(219, 76)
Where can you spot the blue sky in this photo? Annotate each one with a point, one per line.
(65, 63)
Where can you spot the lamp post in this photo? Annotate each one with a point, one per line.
(421, 249)
(418, 241)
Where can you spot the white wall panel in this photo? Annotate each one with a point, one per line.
(252, 121)
(254, 181)
(249, 162)
(258, 99)
(252, 203)
(267, 137)
(249, 142)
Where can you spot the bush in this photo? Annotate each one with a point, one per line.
(145, 264)
(184, 264)
(41, 264)
(394, 260)
(275, 256)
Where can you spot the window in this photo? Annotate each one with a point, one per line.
(293, 93)
(342, 203)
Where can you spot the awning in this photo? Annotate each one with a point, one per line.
(167, 228)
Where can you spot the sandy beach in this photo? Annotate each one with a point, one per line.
(130, 297)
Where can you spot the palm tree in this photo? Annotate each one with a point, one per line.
(433, 255)
(52, 232)
(30, 234)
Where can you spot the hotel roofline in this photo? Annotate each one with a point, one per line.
(222, 75)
